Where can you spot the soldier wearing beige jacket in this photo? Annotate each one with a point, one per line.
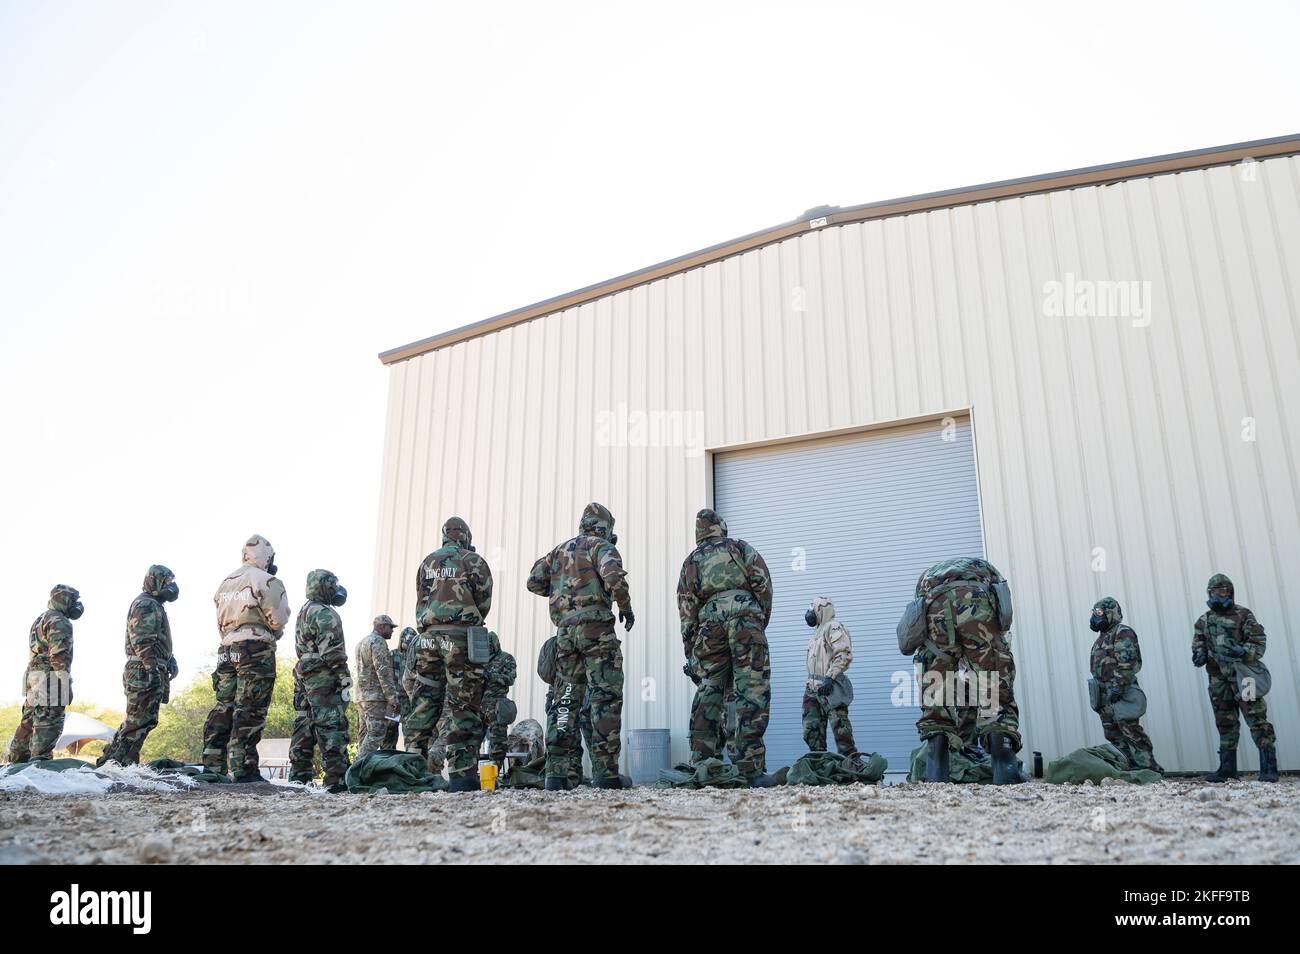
(827, 693)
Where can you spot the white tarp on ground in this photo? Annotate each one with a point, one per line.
(78, 727)
(92, 781)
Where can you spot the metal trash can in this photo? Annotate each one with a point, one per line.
(647, 754)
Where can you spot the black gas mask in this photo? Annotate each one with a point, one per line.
(271, 567)
(1098, 621)
(336, 594)
(75, 610)
(810, 616)
(170, 593)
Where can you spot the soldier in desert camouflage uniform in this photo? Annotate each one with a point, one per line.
(582, 578)
(48, 678)
(252, 610)
(377, 692)
(1115, 661)
(724, 599)
(1226, 636)
(322, 678)
(150, 665)
(499, 675)
(964, 633)
(453, 594)
(830, 653)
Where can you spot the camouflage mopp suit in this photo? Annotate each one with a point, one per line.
(47, 680)
(1229, 642)
(321, 683)
(453, 595)
(724, 599)
(150, 665)
(1115, 661)
(582, 579)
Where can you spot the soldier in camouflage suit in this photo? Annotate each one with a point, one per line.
(1225, 636)
(964, 633)
(724, 599)
(48, 678)
(322, 684)
(399, 674)
(499, 675)
(150, 665)
(378, 693)
(453, 593)
(252, 611)
(1115, 662)
(582, 578)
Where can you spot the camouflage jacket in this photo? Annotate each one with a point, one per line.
(318, 641)
(454, 584)
(148, 632)
(500, 671)
(1237, 627)
(718, 564)
(376, 680)
(1116, 659)
(399, 668)
(49, 643)
(582, 579)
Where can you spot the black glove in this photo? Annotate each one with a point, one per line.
(1115, 694)
(1232, 651)
(825, 688)
(627, 618)
(172, 668)
(1198, 658)
(690, 673)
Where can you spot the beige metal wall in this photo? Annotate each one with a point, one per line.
(1110, 433)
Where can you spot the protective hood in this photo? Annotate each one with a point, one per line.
(63, 598)
(1217, 581)
(598, 521)
(709, 526)
(1109, 607)
(455, 532)
(824, 610)
(156, 580)
(258, 552)
(321, 585)
(404, 640)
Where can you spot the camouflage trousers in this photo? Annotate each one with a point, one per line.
(375, 730)
(986, 655)
(1228, 712)
(1132, 740)
(460, 728)
(815, 716)
(324, 725)
(576, 776)
(243, 682)
(145, 688)
(428, 683)
(495, 730)
(588, 660)
(39, 728)
(731, 651)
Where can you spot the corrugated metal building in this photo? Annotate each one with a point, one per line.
(1094, 376)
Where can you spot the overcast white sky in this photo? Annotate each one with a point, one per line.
(213, 216)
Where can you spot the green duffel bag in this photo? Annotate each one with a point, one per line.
(831, 768)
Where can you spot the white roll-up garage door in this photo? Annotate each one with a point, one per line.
(856, 518)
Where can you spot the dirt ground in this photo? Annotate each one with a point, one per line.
(1173, 822)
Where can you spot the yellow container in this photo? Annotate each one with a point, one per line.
(487, 777)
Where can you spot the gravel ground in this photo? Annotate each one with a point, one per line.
(1175, 821)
